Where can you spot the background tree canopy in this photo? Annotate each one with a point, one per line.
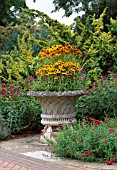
(7, 14)
(88, 6)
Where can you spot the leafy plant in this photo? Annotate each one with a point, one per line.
(89, 140)
(4, 130)
(19, 111)
(99, 46)
(101, 100)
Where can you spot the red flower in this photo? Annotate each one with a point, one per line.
(84, 154)
(105, 136)
(54, 135)
(88, 153)
(80, 139)
(70, 120)
(105, 141)
(85, 107)
(97, 138)
(115, 134)
(59, 127)
(108, 163)
(97, 122)
(113, 159)
(41, 132)
(90, 119)
(111, 130)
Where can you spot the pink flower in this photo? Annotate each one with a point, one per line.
(18, 90)
(88, 91)
(81, 78)
(31, 78)
(4, 84)
(104, 85)
(87, 87)
(11, 91)
(3, 91)
(102, 77)
(95, 84)
(108, 71)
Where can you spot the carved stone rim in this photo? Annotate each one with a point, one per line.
(54, 93)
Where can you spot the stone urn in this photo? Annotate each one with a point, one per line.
(57, 108)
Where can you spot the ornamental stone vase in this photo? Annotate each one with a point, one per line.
(57, 108)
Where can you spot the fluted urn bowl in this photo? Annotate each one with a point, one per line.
(57, 107)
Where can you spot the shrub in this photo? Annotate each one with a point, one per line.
(4, 130)
(90, 140)
(101, 100)
(99, 46)
(19, 111)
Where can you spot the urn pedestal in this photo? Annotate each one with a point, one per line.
(57, 109)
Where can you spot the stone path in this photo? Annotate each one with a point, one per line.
(9, 161)
(12, 159)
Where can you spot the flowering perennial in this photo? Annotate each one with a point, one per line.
(59, 50)
(58, 69)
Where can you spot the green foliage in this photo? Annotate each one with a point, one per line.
(4, 130)
(101, 100)
(8, 9)
(90, 7)
(60, 33)
(99, 47)
(19, 111)
(25, 22)
(20, 47)
(91, 140)
(18, 62)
